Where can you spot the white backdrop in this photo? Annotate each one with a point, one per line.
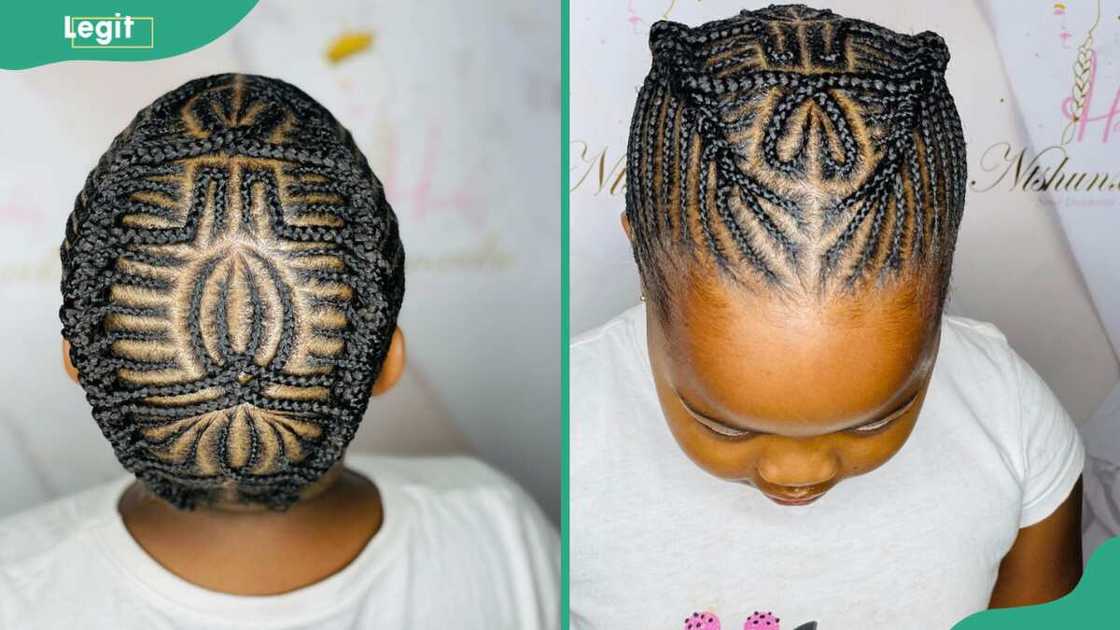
(1014, 266)
(1051, 55)
(457, 108)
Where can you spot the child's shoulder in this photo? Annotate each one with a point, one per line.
(50, 527)
(616, 349)
(978, 366)
(978, 353)
(442, 481)
(988, 382)
(622, 328)
(980, 333)
(463, 510)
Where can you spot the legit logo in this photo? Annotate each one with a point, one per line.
(110, 32)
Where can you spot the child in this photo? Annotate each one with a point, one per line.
(839, 453)
(232, 275)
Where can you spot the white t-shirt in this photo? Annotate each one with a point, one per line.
(914, 544)
(460, 546)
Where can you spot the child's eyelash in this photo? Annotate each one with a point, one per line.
(879, 424)
(875, 426)
(719, 429)
(726, 431)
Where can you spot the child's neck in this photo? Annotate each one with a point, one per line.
(247, 550)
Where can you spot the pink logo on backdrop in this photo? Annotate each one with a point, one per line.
(1096, 117)
(1088, 107)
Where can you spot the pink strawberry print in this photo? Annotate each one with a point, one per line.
(762, 621)
(701, 621)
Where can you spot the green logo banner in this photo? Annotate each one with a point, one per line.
(1093, 604)
(64, 30)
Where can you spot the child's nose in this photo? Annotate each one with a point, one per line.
(794, 466)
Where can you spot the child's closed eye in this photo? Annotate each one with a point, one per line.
(726, 431)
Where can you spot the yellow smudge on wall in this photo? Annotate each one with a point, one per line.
(348, 44)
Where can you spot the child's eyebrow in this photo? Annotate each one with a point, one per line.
(898, 410)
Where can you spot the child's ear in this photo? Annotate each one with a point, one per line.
(392, 367)
(67, 364)
(626, 226)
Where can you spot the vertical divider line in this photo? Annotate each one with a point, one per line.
(565, 292)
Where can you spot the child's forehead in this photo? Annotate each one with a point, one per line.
(740, 354)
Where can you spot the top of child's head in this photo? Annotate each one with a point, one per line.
(232, 275)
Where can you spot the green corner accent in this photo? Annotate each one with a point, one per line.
(38, 29)
(1094, 603)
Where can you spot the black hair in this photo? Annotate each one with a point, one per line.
(795, 148)
(231, 279)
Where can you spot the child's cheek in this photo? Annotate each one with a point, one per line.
(733, 460)
(863, 455)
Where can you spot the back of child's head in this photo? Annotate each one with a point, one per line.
(796, 151)
(232, 275)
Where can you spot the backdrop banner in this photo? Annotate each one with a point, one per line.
(1064, 64)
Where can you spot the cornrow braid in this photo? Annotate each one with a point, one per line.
(795, 148)
(232, 275)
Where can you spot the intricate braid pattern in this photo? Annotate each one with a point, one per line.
(798, 149)
(232, 275)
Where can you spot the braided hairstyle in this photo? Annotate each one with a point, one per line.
(232, 275)
(795, 150)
